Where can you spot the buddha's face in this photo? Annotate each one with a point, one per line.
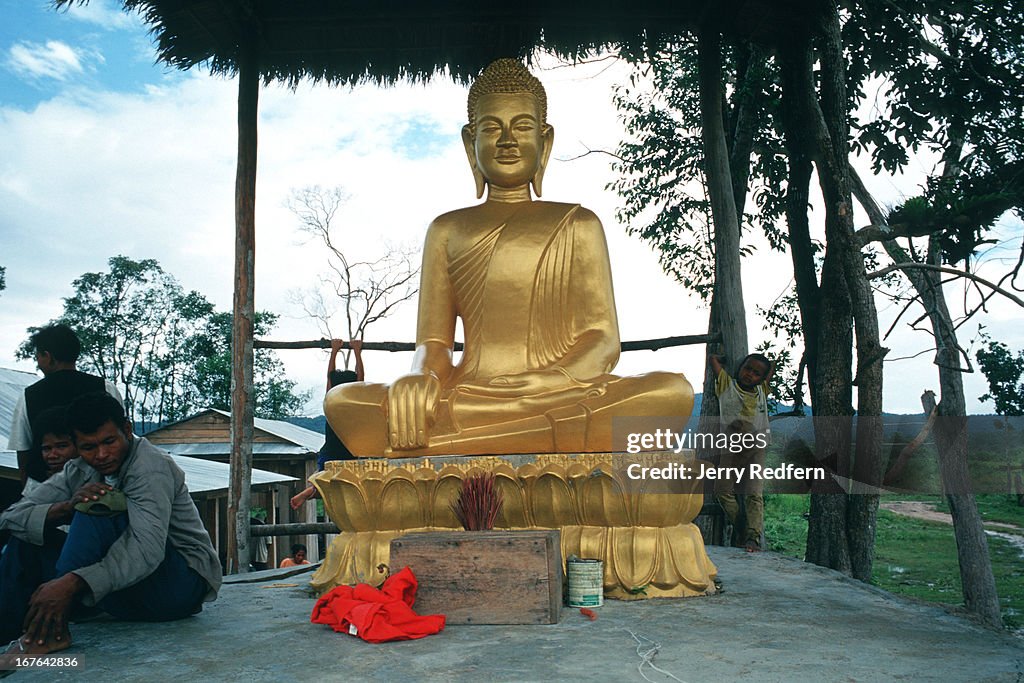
(510, 142)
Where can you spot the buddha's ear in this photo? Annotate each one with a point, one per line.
(468, 135)
(547, 135)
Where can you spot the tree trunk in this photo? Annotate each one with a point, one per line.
(867, 466)
(841, 530)
(797, 86)
(727, 298)
(976, 576)
(827, 310)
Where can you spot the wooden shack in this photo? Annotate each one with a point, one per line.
(277, 446)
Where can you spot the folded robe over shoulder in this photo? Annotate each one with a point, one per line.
(377, 615)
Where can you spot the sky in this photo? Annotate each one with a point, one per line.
(104, 152)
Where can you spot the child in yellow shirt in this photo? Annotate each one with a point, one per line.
(743, 407)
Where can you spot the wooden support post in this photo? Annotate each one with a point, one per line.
(278, 500)
(242, 415)
(312, 539)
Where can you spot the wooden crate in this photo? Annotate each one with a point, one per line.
(485, 577)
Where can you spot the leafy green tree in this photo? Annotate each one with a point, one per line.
(167, 350)
(1005, 374)
(209, 380)
(668, 188)
(126, 318)
(663, 170)
(953, 86)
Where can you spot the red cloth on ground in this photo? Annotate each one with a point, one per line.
(377, 615)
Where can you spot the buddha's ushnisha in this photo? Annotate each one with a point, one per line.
(532, 284)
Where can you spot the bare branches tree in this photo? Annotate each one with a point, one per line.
(353, 293)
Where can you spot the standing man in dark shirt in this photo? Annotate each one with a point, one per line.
(57, 349)
(333, 448)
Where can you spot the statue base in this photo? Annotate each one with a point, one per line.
(642, 529)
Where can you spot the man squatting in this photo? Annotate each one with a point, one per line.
(136, 547)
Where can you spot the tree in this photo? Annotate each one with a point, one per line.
(3, 281)
(686, 172)
(125, 318)
(163, 347)
(954, 86)
(759, 124)
(368, 290)
(1005, 374)
(951, 82)
(209, 380)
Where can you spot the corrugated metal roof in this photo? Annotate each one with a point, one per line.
(224, 449)
(314, 441)
(203, 477)
(12, 384)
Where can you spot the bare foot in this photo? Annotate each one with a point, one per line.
(22, 646)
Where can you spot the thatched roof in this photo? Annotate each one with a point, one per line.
(351, 41)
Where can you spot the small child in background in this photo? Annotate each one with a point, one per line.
(743, 407)
(298, 556)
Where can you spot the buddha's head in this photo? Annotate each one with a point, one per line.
(507, 139)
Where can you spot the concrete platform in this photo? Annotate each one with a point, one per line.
(778, 620)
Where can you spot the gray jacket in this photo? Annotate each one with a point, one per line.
(159, 509)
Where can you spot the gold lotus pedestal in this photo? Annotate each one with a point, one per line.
(646, 537)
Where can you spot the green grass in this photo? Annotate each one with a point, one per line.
(994, 507)
(916, 558)
(785, 527)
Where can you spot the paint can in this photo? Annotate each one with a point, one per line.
(586, 582)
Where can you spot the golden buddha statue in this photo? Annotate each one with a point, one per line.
(532, 284)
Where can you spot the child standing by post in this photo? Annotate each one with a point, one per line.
(743, 406)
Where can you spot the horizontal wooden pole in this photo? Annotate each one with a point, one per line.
(640, 345)
(667, 342)
(326, 344)
(294, 529)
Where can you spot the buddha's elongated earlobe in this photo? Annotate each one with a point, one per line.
(547, 134)
(468, 135)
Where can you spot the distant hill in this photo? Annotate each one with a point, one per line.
(315, 424)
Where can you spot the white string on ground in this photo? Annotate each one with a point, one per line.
(647, 656)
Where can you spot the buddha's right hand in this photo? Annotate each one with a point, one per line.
(412, 403)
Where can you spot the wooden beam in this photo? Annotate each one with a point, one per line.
(298, 529)
(639, 345)
(242, 409)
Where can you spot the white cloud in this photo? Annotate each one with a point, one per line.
(53, 59)
(103, 13)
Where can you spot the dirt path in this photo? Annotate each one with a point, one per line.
(917, 510)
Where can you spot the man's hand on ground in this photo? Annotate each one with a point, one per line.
(46, 621)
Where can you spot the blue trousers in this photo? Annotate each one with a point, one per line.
(172, 591)
(23, 568)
